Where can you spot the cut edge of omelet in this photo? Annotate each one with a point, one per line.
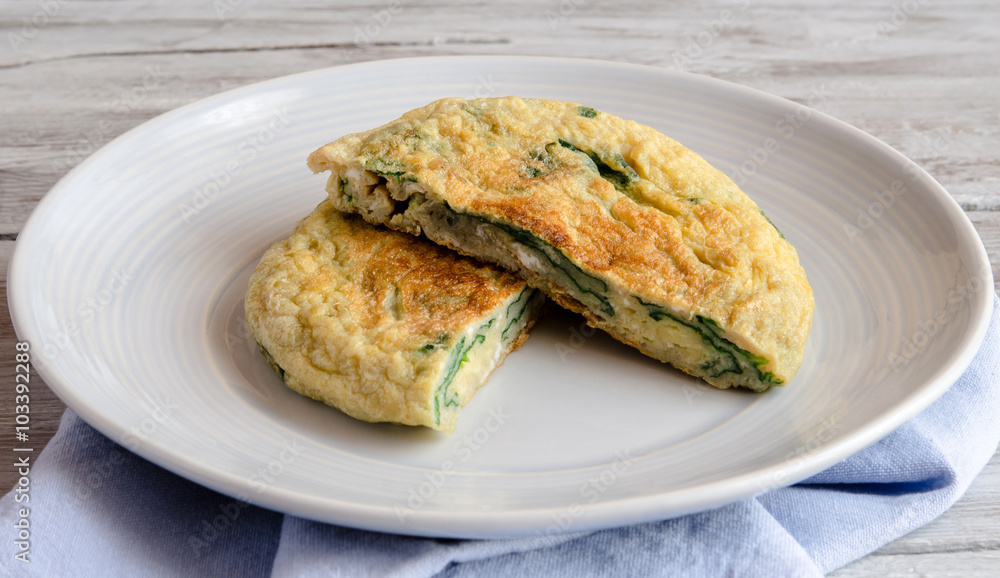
(698, 344)
(457, 376)
(381, 325)
(695, 344)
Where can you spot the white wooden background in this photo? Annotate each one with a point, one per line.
(921, 75)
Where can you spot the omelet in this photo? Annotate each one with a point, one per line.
(381, 325)
(608, 217)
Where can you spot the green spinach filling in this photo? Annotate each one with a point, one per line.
(459, 356)
(343, 186)
(437, 343)
(730, 359)
(274, 364)
(389, 169)
(614, 169)
(768, 219)
(583, 283)
(521, 302)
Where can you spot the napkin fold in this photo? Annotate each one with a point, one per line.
(96, 509)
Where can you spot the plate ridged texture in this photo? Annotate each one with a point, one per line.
(128, 282)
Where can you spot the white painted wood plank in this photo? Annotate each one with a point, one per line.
(923, 80)
(886, 83)
(49, 130)
(965, 564)
(973, 523)
(987, 224)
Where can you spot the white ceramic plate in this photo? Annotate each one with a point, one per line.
(129, 277)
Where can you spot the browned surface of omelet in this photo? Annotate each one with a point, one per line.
(650, 217)
(363, 317)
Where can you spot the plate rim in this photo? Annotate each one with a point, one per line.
(441, 523)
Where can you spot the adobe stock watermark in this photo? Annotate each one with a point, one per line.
(246, 151)
(590, 491)
(365, 34)
(940, 140)
(225, 8)
(158, 411)
(563, 10)
(758, 156)
(796, 459)
(462, 451)
(127, 101)
(711, 30)
(241, 337)
(698, 389)
(578, 337)
(966, 286)
(32, 25)
(485, 86)
(226, 514)
(265, 475)
(868, 217)
(86, 312)
(898, 18)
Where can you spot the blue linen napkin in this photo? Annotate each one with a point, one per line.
(98, 510)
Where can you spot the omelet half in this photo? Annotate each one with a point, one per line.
(381, 325)
(610, 218)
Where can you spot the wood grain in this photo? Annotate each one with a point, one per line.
(920, 76)
(937, 64)
(987, 224)
(959, 564)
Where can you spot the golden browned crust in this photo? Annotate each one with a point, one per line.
(365, 318)
(623, 202)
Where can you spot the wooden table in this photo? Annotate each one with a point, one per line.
(921, 76)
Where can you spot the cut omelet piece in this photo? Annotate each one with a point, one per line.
(609, 217)
(384, 326)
